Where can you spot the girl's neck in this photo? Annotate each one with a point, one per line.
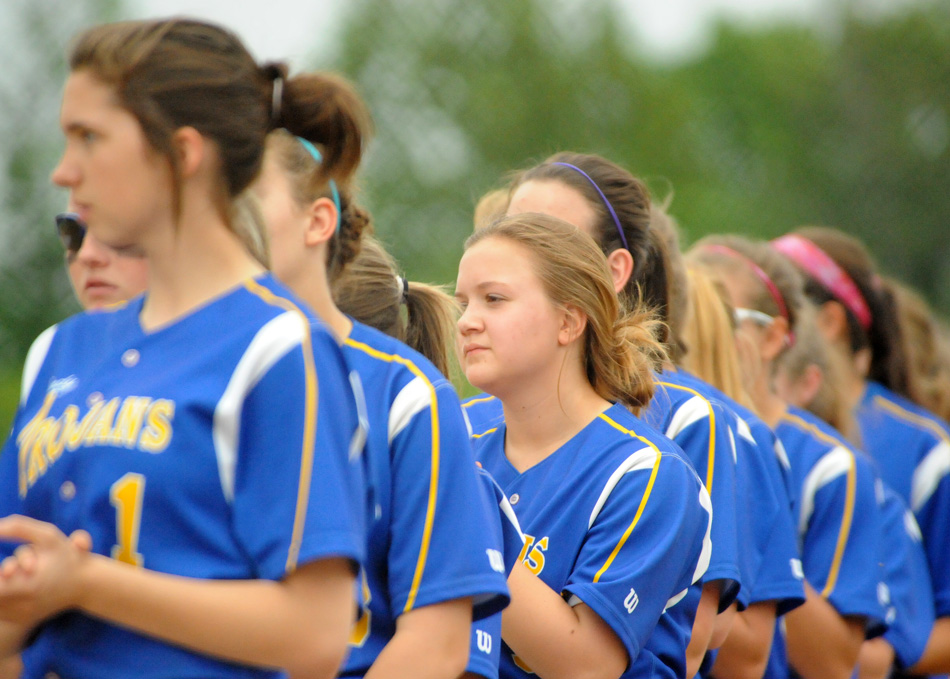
(542, 418)
(769, 405)
(852, 369)
(315, 291)
(192, 261)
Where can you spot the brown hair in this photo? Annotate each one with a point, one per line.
(371, 291)
(620, 352)
(928, 370)
(811, 349)
(883, 337)
(666, 230)
(178, 73)
(308, 183)
(710, 335)
(630, 200)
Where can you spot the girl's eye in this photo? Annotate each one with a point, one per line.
(493, 298)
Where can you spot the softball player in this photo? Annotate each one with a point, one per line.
(616, 523)
(434, 543)
(833, 500)
(910, 445)
(189, 462)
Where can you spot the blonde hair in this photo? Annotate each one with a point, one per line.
(620, 350)
(371, 291)
(248, 225)
(490, 207)
(710, 336)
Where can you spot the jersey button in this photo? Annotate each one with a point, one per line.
(130, 358)
(514, 499)
(67, 491)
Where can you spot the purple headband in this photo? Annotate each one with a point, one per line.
(603, 198)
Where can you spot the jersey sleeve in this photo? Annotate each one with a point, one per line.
(841, 526)
(771, 554)
(930, 502)
(298, 489)
(484, 653)
(701, 428)
(646, 546)
(910, 610)
(445, 539)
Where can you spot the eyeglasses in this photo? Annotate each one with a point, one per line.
(757, 317)
(71, 230)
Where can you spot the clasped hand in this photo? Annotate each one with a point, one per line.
(42, 577)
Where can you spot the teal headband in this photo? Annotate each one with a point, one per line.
(317, 156)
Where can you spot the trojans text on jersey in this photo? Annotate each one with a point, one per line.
(138, 422)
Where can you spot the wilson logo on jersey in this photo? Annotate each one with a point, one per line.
(630, 603)
(483, 641)
(135, 422)
(496, 560)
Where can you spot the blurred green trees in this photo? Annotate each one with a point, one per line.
(35, 291)
(846, 124)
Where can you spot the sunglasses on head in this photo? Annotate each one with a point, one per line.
(71, 230)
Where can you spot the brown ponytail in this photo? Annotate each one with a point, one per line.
(370, 290)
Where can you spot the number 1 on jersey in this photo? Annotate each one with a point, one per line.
(126, 496)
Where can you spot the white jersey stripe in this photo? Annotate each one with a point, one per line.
(644, 458)
(272, 342)
(34, 361)
(706, 554)
(743, 430)
(781, 455)
(692, 411)
(836, 462)
(412, 399)
(928, 475)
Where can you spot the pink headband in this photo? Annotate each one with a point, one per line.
(760, 274)
(817, 264)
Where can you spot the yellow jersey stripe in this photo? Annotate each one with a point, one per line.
(913, 418)
(485, 433)
(633, 524)
(311, 401)
(477, 400)
(434, 474)
(711, 457)
(851, 490)
(843, 532)
(643, 501)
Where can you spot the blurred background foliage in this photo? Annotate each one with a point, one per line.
(846, 123)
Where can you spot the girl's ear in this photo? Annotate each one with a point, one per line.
(621, 264)
(190, 147)
(832, 320)
(776, 338)
(573, 324)
(322, 224)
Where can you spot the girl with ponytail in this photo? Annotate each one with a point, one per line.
(832, 487)
(615, 520)
(858, 318)
(613, 207)
(435, 541)
(185, 463)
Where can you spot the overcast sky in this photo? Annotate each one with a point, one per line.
(295, 29)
